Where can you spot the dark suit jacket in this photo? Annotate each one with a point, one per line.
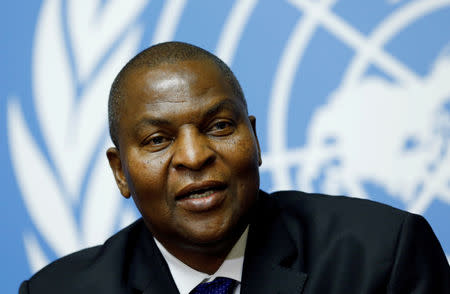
(298, 243)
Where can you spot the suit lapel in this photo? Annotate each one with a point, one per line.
(273, 260)
(149, 273)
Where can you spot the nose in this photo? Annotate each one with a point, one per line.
(192, 150)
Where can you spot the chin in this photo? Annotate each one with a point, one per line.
(215, 237)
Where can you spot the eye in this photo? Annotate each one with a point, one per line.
(157, 142)
(221, 128)
(222, 125)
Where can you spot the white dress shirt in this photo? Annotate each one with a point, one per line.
(187, 278)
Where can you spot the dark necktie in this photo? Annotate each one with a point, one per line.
(218, 286)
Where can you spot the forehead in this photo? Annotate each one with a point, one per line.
(189, 84)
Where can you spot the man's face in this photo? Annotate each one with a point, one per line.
(188, 155)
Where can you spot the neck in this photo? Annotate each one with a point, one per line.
(203, 262)
(206, 258)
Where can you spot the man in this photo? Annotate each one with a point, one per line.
(186, 151)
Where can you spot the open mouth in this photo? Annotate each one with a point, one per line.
(200, 197)
(199, 194)
(192, 192)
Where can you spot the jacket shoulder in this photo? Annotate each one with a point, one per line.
(75, 270)
(342, 223)
(363, 239)
(340, 209)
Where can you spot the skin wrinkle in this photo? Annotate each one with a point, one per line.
(148, 123)
(224, 105)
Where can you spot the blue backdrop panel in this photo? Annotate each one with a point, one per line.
(351, 98)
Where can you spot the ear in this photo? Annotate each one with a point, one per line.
(115, 163)
(253, 123)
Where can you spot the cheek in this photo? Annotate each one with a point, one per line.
(148, 177)
(244, 154)
(242, 160)
(147, 174)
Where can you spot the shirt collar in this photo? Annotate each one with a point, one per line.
(187, 278)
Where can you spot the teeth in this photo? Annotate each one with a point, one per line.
(200, 195)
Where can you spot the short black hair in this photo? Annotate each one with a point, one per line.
(168, 52)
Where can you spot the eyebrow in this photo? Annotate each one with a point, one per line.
(226, 104)
(151, 121)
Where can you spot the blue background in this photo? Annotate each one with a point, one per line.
(255, 63)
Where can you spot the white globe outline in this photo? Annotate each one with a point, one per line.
(279, 158)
